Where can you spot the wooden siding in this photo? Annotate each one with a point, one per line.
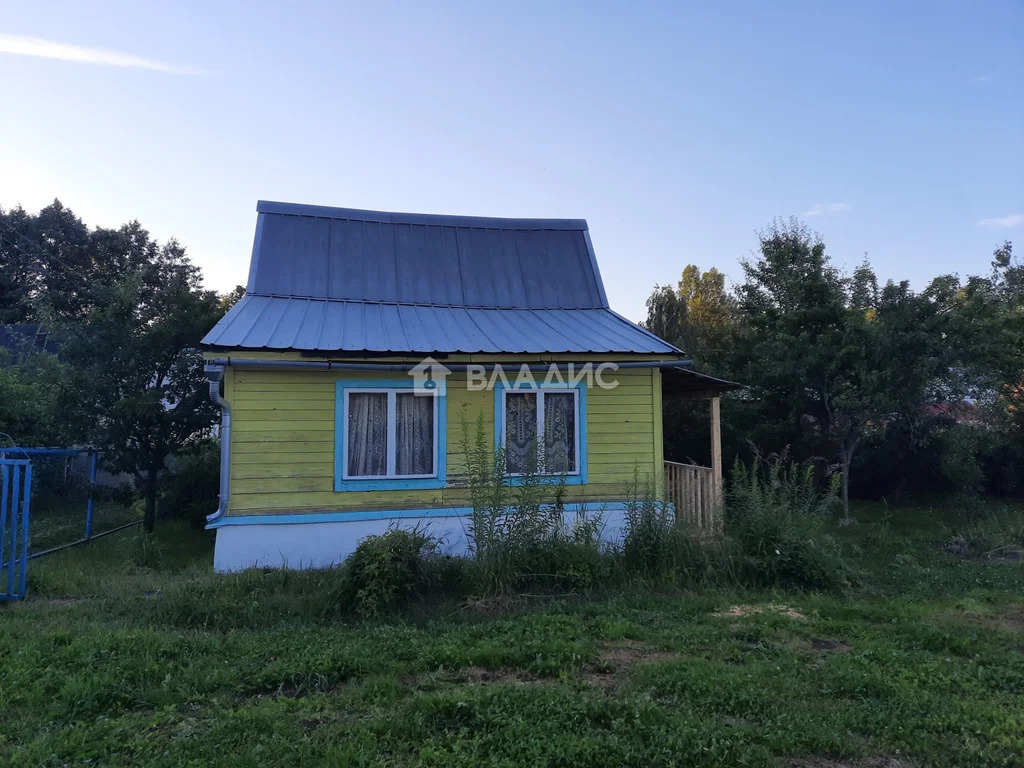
(282, 452)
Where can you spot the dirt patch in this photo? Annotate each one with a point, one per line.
(829, 646)
(739, 611)
(615, 662)
(472, 675)
(1009, 617)
(861, 762)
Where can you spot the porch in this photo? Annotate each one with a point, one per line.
(696, 492)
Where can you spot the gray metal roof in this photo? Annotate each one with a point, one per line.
(339, 279)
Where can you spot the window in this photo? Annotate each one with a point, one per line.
(542, 430)
(390, 434)
(388, 437)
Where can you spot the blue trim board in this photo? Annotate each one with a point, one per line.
(499, 423)
(391, 514)
(385, 484)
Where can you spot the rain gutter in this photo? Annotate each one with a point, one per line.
(328, 365)
(215, 374)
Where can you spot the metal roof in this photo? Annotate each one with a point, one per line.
(681, 383)
(340, 279)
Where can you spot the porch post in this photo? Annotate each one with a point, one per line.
(716, 447)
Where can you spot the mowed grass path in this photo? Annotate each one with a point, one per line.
(110, 663)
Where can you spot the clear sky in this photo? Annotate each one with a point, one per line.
(677, 130)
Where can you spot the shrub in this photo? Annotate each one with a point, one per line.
(777, 521)
(385, 571)
(655, 546)
(514, 528)
(191, 489)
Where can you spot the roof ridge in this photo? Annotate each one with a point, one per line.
(298, 297)
(423, 219)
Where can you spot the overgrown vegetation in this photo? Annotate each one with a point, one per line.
(122, 317)
(386, 571)
(522, 537)
(905, 391)
(778, 526)
(918, 663)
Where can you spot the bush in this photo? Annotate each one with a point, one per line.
(515, 528)
(192, 487)
(777, 521)
(656, 547)
(385, 571)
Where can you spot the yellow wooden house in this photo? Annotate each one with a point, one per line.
(369, 344)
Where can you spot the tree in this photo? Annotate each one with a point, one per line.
(140, 351)
(38, 395)
(709, 312)
(666, 315)
(828, 357)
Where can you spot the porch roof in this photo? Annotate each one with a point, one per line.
(679, 383)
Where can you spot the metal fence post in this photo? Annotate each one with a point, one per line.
(88, 505)
(25, 502)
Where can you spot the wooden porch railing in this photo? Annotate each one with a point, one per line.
(691, 489)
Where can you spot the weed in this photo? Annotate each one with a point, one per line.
(777, 521)
(385, 571)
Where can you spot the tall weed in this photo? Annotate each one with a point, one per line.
(657, 547)
(777, 524)
(517, 532)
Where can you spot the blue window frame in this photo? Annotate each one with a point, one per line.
(577, 474)
(351, 473)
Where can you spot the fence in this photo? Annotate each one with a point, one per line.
(691, 489)
(74, 499)
(15, 496)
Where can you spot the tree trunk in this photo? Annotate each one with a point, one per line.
(149, 521)
(846, 458)
(846, 487)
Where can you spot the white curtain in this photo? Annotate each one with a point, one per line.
(367, 434)
(559, 432)
(414, 441)
(520, 431)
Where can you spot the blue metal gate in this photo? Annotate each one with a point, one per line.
(15, 496)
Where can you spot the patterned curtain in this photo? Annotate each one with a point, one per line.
(414, 427)
(520, 431)
(367, 434)
(559, 432)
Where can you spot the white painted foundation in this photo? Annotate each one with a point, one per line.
(305, 543)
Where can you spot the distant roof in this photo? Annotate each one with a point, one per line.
(26, 338)
(341, 279)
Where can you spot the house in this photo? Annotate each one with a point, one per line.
(370, 344)
(26, 339)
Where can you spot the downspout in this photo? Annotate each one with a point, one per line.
(215, 374)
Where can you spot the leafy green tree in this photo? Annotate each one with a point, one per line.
(140, 353)
(46, 265)
(830, 359)
(38, 399)
(666, 315)
(709, 312)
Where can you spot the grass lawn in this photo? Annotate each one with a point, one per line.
(111, 662)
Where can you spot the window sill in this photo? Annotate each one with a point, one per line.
(384, 484)
(579, 479)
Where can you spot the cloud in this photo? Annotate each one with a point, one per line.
(1014, 220)
(48, 49)
(822, 209)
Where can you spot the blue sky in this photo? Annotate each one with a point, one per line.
(677, 130)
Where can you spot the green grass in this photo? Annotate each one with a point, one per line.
(133, 655)
(56, 521)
